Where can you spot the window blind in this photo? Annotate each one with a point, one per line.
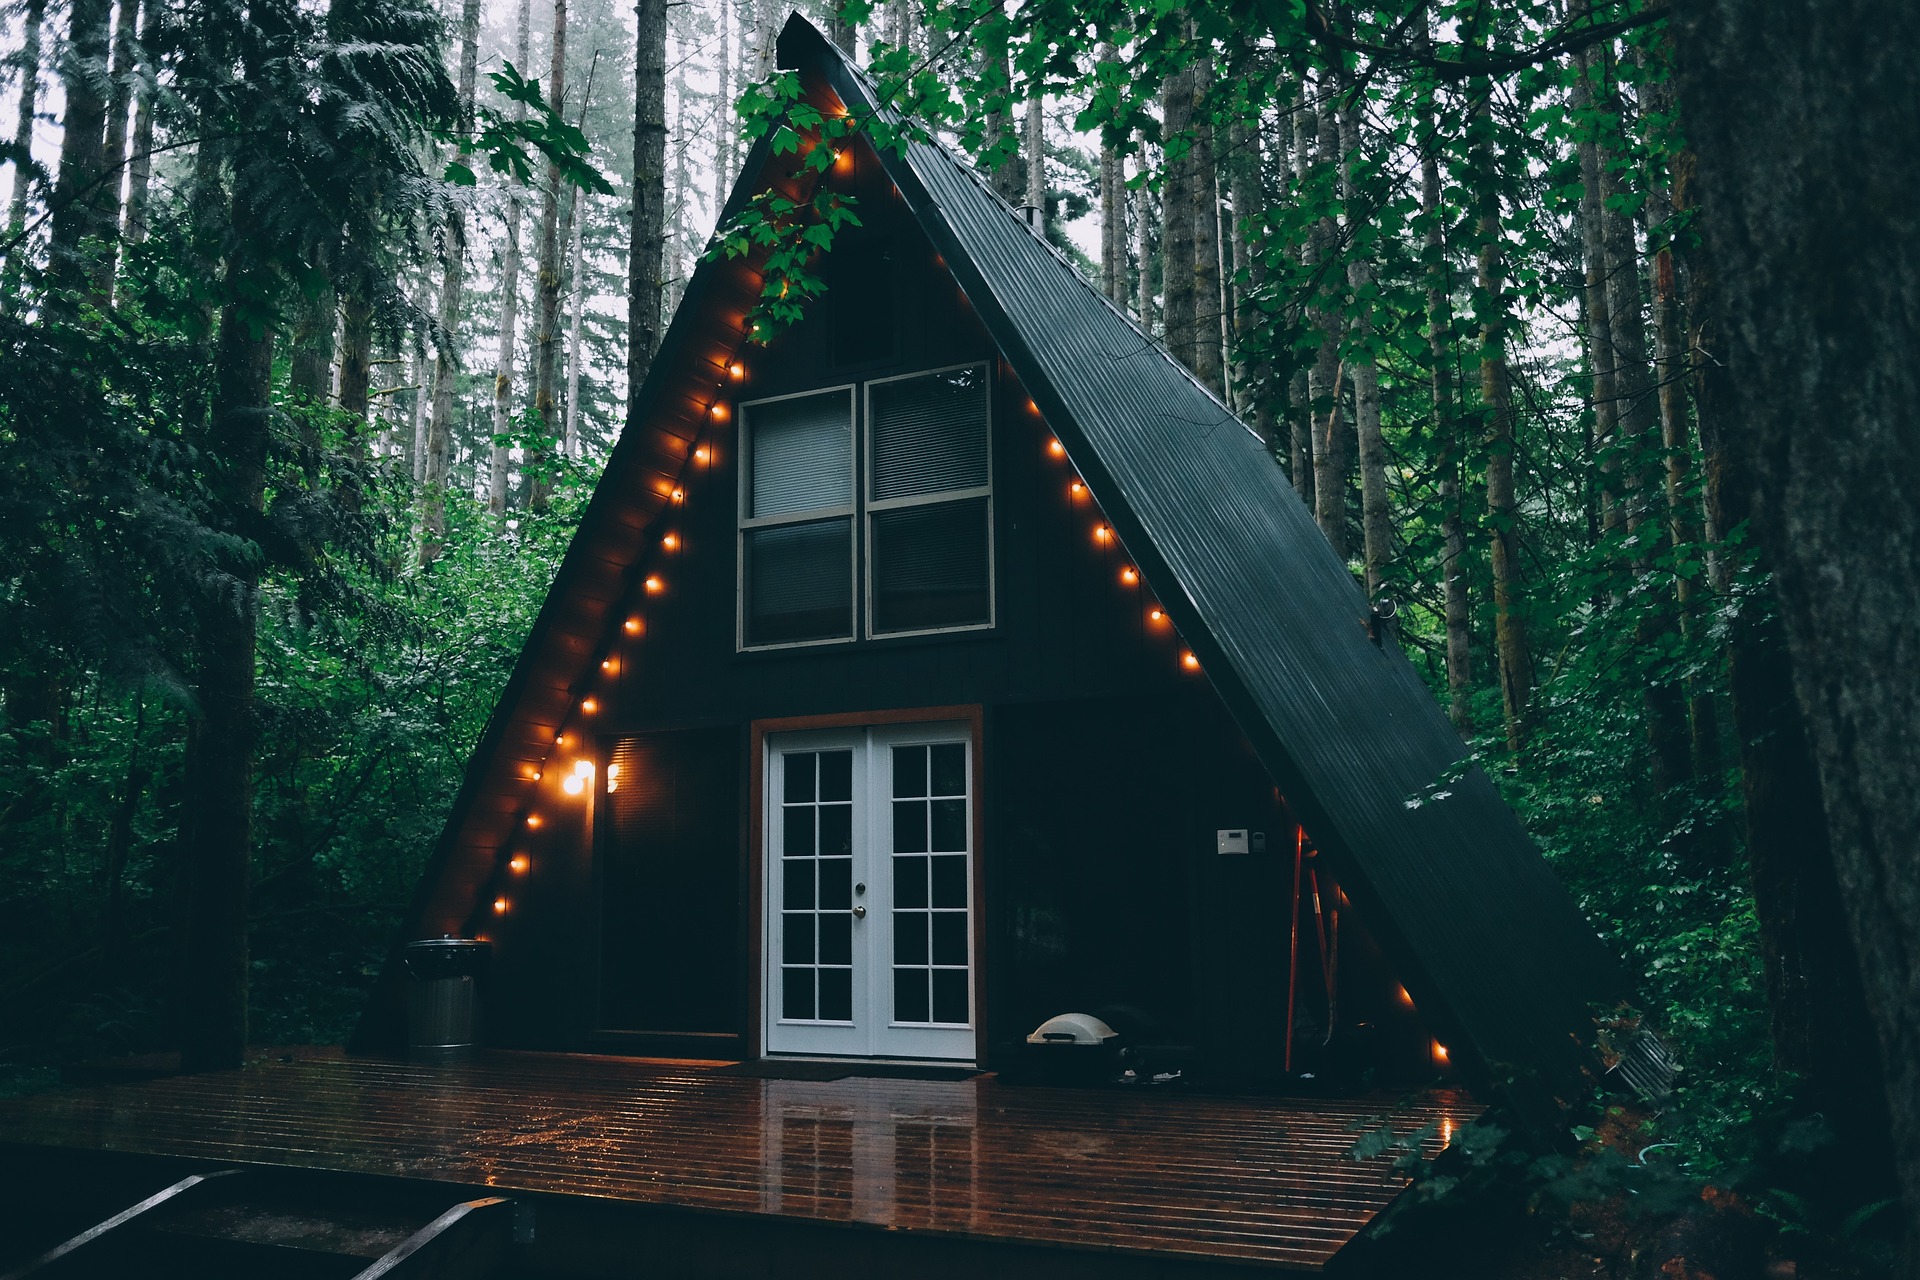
(930, 566)
(929, 433)
(799, 582)
(801, 454)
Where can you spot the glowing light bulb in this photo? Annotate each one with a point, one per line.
(533, 820)
(719, 411)
(574, 785)
(1188, 661)
(843, 160)
(589, 705)
(606, 664)
(702, 454)
(671, 542)
(518, 864)
(737, 371)
(1031, 406)
(499, 906)
(559, 739)
(1156, 615)
(1057, 449)
(1130, 575)
(678, 495)
(654, 585)
(1077, 489)
(583, 768)
(1439, 1051)
(1102, 534)
(632, 626)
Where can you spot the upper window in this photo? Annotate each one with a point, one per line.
(915, 526)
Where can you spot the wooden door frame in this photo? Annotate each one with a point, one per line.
(970, 714)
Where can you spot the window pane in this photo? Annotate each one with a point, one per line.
(836, 939)
(797, 876)
(930, 566)
(836, 830)
(909, 771)
(797, 839)
(950, 995)
(910, 995)
(798, 943)
(909, 826)
(950, 881)
(836, 884)
(800, 775)
(950, 769)
(910, 937)
(949, 826)
(799, 582)
(929, 433)
(836, 775)
(836, 995)
(796, 998)
(909, 882)
(801, 454)
(949, 937)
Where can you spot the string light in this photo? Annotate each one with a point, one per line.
(1156, 615)
(1439, 1052)
(1077, 489)
(632, 626)
(499, 906)
(589, 705)
(1102, 534)
(1188, 661)
(737, 371)
(654, 585)
(607, 664)
(678, 495)
(518, 864)
(559, 739)
(1130, 575)
(702, 454)
(719, 411)
(1057, 449)
(671, 542)
(533, 820)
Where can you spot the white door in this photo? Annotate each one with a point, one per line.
(869, 875)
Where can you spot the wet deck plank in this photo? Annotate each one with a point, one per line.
(1261, 1180)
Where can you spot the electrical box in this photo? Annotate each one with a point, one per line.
(1259, 839)
(1230, 841)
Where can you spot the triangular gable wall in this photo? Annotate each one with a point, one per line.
(1489, 943)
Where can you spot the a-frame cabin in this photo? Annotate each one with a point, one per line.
(956, 660)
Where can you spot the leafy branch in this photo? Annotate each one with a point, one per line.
(509, 144)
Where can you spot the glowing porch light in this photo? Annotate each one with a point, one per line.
(1056, 449)
(1439, 1053)
(574, 784)
(583, 768)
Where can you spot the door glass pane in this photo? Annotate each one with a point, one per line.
(836, 884)
(836, 995)
(950, 996)
(796, 993)
(910, 937)
(800, 454)
(799, 582)
(949, 833)
(909, 771)
(909, 826)
(799, 941)
(930, 567)
(950, 937)
(950, 881)
(929, 433)
(949, 760)
(909, 881)
(910, 1002)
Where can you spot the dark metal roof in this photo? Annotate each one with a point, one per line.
(1490, 943)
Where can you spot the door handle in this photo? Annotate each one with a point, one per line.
(859, 913)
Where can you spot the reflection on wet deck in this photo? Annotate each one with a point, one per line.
(1257, 1179)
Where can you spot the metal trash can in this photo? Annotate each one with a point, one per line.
(441, 988)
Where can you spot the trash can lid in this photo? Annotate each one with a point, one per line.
(447, 957)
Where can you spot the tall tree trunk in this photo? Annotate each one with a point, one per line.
(28, 61)
(356, 358)
(724, 122)
(133, 220)
(1801, 119)
(577, 283)
(766, 32)
(646, 249)
(310, 363)
(1300, 385)
(1446, 423)
(1176, 211)
(120, 836)
(1006, 170)
(1036, 149)
(417, 439)
(1376, 528)
(1203, 184)
(547, 298)
(213, 993)
(1113, 207)
(453, 288)
(1329, 434)
(1143, 225)
(80, 193)
(1600, 345)
(499, 456)
(113, 157)
(1496, 394)
(1249, 216)
(845, 32)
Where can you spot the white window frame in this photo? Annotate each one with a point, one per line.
(871, 507)
(745, 524)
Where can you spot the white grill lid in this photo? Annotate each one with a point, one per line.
(1072, 1028)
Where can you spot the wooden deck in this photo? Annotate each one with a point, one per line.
(1154, 1174)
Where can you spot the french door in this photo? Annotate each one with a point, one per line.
(869, 892)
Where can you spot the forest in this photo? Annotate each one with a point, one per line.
(1587, 329)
